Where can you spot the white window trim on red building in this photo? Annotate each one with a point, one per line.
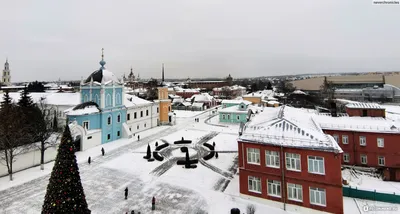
(255, 184)
(295, 192)
(272, 159)
(293, 162)
(380, 142)
(253, 156)
(319, 196)
(274, 188)
(316, 165)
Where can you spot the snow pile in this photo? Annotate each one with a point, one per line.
(369, 180)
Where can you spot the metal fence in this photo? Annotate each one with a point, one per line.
(371, 195)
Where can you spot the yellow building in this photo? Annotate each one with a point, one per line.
(165, 106)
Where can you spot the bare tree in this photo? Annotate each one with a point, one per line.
(226, 92)
(13, 132)
(251, 209)
(327, 89)
(45, 131)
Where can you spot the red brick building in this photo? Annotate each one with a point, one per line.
(187, 93)
(294, 167)
(365, 110)
(371, 141)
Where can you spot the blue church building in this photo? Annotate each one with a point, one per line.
(101, 116)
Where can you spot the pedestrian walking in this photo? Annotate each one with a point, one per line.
(89, 160)
(102, 151)
(153, 203)
(126, 193)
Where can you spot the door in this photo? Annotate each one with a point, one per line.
(77, 143)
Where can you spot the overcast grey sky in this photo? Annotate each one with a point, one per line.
(47, 40)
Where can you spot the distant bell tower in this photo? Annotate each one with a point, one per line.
(6, 78)
(165, 106)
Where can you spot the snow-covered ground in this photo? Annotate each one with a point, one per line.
(355, 205)
(185, 114)
(367, 182)
(212, 187)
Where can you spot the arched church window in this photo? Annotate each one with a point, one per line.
(97, 99)
(109, 120)
(108, 100)
(119, 118)
(118, 99)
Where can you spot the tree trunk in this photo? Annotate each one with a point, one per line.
(42, 149)
(10, 170)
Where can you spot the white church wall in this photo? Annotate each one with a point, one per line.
(29, 159)
(91, 139)
(140, 123)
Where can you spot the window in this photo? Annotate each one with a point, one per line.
(86, 125)
(238, 117)
(109, 120)
(119, 118)
(90, 137)
(118, 133)
(134, 115)
(345, 139)
(381, 142)
(293, 162)
(157, 110)
(295, 192)
(137, 127)
(272, 159)
(254, 184)
(147, 112)
(346, 157)
(229, 116)
(141, 113)
(117, 98)
(274, 188)
(108, 137)
(363, 141)
(381, 161)
(128, 116)
(253, 156)
(145, 125)
(336, 137)
(223, 116)
(317, 196)
(363, 159)
(108, 100)
(316, 165)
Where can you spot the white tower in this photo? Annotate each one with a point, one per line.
(6, 78)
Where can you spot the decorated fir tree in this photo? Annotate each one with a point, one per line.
(64, 191)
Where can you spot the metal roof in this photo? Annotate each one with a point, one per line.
(364, 106)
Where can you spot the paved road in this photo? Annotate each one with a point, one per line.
(104, 187)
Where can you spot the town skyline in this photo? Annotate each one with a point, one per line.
(193, 39)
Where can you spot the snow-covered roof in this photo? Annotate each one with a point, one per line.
(235, 102)
(262, 94)
(187, 90)
(83, 109)
(132, 100)
(233, 109)
(102, 76)
(361, 124)
(298, 92)
(203, 97)
(232, 88)
(68, 99)
(282, 131)
(198, 104)
(364, 106)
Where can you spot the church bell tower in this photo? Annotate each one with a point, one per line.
(6, 77)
